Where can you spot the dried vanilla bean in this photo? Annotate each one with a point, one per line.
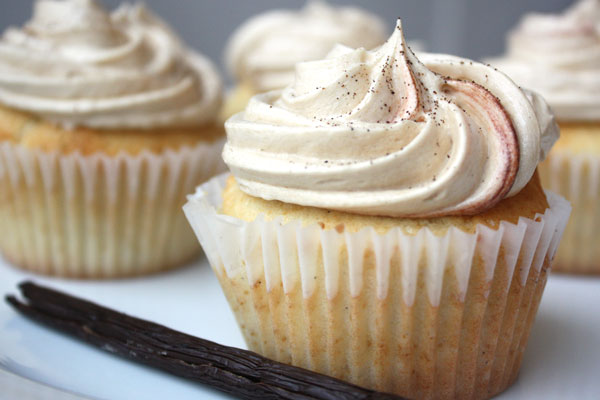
(238, 372)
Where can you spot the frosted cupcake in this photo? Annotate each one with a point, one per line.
(384, 223)
(106, 122)
(559, 56)
(262, 53)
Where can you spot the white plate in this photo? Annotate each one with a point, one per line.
(562, 360)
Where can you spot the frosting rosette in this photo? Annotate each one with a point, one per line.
(559, 56)
(381, 133)
(265, 49)
(76, 64)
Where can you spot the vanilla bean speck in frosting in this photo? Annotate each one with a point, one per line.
(383, 133)
(559, 56)
(75, 64)
(264, 50)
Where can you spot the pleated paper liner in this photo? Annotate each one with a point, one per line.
(577, 178)
(422, 316)
(98, 216)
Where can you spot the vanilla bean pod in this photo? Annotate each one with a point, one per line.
(238, 372)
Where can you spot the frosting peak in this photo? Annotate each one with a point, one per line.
(387, 97)
(259, 51)
(380, 132)
(76, 64)
(62, 17)
(559, 56)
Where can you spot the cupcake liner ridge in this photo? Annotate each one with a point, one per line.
(294, 248)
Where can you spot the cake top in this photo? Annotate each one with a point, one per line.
(559, 56)
(264, 50)
(76, 64)
(382, 133)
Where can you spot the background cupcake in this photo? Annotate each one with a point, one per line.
(385, 224)
(559, 56)
(262, 53)
(106, 122)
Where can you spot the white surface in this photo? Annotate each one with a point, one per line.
(562, 359)
(17, 387)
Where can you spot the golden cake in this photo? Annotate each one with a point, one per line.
(557, 56)
(106, 122)
(384, 223)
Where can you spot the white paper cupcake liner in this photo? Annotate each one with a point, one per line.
(420, 315)
(98, 216)
(576, 177)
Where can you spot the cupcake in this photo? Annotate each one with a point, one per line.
(559, 56)
(106, 122)
(262, 52)
(384, 222)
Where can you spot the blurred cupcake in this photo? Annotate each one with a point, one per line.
(262, 53)
(385, 224)
(106, 122)
(559, 56)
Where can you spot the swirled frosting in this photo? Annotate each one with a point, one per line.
(379, 132)
(559, 56)
(264, 50)
(74, 64)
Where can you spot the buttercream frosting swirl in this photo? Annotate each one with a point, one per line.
(559, 56)
(75, 64)
(264, 50)
(379, 132)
